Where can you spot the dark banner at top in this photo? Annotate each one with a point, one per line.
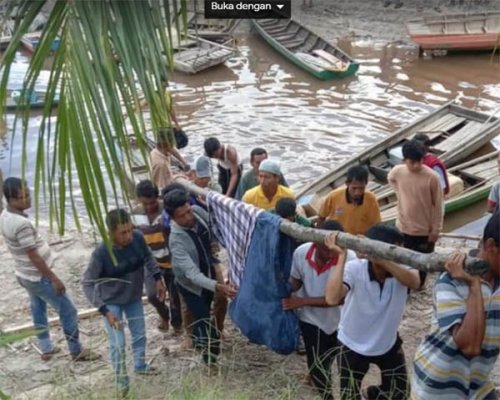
(253, 9)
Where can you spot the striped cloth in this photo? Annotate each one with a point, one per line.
(155, 234)
(232, 222)
(441, 370)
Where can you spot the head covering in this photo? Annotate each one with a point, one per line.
(270, 166)
(202, 167)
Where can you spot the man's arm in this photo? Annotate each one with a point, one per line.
(293, 302)
(469, 329)
(182, 262)
(437, 210)
(234, 171)
(91, 280)
(153, 270)
(45, 270)
(493, 198)
(407, 277)
(324, 211)
(336, 289)
(175, 153)
(392, 179)
(442, 179)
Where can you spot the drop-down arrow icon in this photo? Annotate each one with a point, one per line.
(280, 6)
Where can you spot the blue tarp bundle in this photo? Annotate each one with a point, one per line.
(257, 309)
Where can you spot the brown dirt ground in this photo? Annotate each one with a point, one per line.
(247, 371)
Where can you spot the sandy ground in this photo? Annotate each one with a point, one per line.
(247, 371)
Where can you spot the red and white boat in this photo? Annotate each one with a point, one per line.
(466, 31)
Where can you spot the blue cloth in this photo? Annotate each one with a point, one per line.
(134, 312)
(42, 293)
(257, 309)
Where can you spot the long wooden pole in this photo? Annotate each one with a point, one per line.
(433, 262)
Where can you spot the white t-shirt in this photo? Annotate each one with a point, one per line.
(371, 314)
(313, 285)
(21, 236)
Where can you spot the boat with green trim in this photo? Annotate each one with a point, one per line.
(457, 134)
(305, 49)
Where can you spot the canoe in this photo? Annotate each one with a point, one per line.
(456, 133)
(466, 31)
(305, 49)
(36, 100)
(30, 42)
(477, 176)
(210, 28)
(196, 54)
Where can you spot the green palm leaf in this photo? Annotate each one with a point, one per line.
(111, 54)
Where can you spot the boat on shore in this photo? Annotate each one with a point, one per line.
(455, 132)
(210, 28)
(195, 54)
(305, 49)
(466, 31)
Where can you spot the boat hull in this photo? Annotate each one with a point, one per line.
(318, 73)
(457, 42)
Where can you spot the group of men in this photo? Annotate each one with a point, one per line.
(165, 244)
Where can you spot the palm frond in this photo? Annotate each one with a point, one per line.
(111, 55)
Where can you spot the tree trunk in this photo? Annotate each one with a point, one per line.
(433, 262)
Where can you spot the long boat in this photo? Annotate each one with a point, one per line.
(196, 54)
(466, 31)
(455, 132)
(210, 28)
(305, 49)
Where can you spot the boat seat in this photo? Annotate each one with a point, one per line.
(293, 43)
(287, 36)
(464, 135)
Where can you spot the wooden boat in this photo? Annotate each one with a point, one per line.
(455, 132)
(306, 49)
(467, 31)
(477, 176)
(210, 28)
(30, 41)
(195, 54)
(36, 100)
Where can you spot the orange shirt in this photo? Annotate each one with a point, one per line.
(355, 218)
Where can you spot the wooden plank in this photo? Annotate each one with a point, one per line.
(442, 125)
(54, 321)
(460, 137)
(327, 56)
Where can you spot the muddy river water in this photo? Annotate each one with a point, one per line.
(259, 99)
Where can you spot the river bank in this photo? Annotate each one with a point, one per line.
(379, 21)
